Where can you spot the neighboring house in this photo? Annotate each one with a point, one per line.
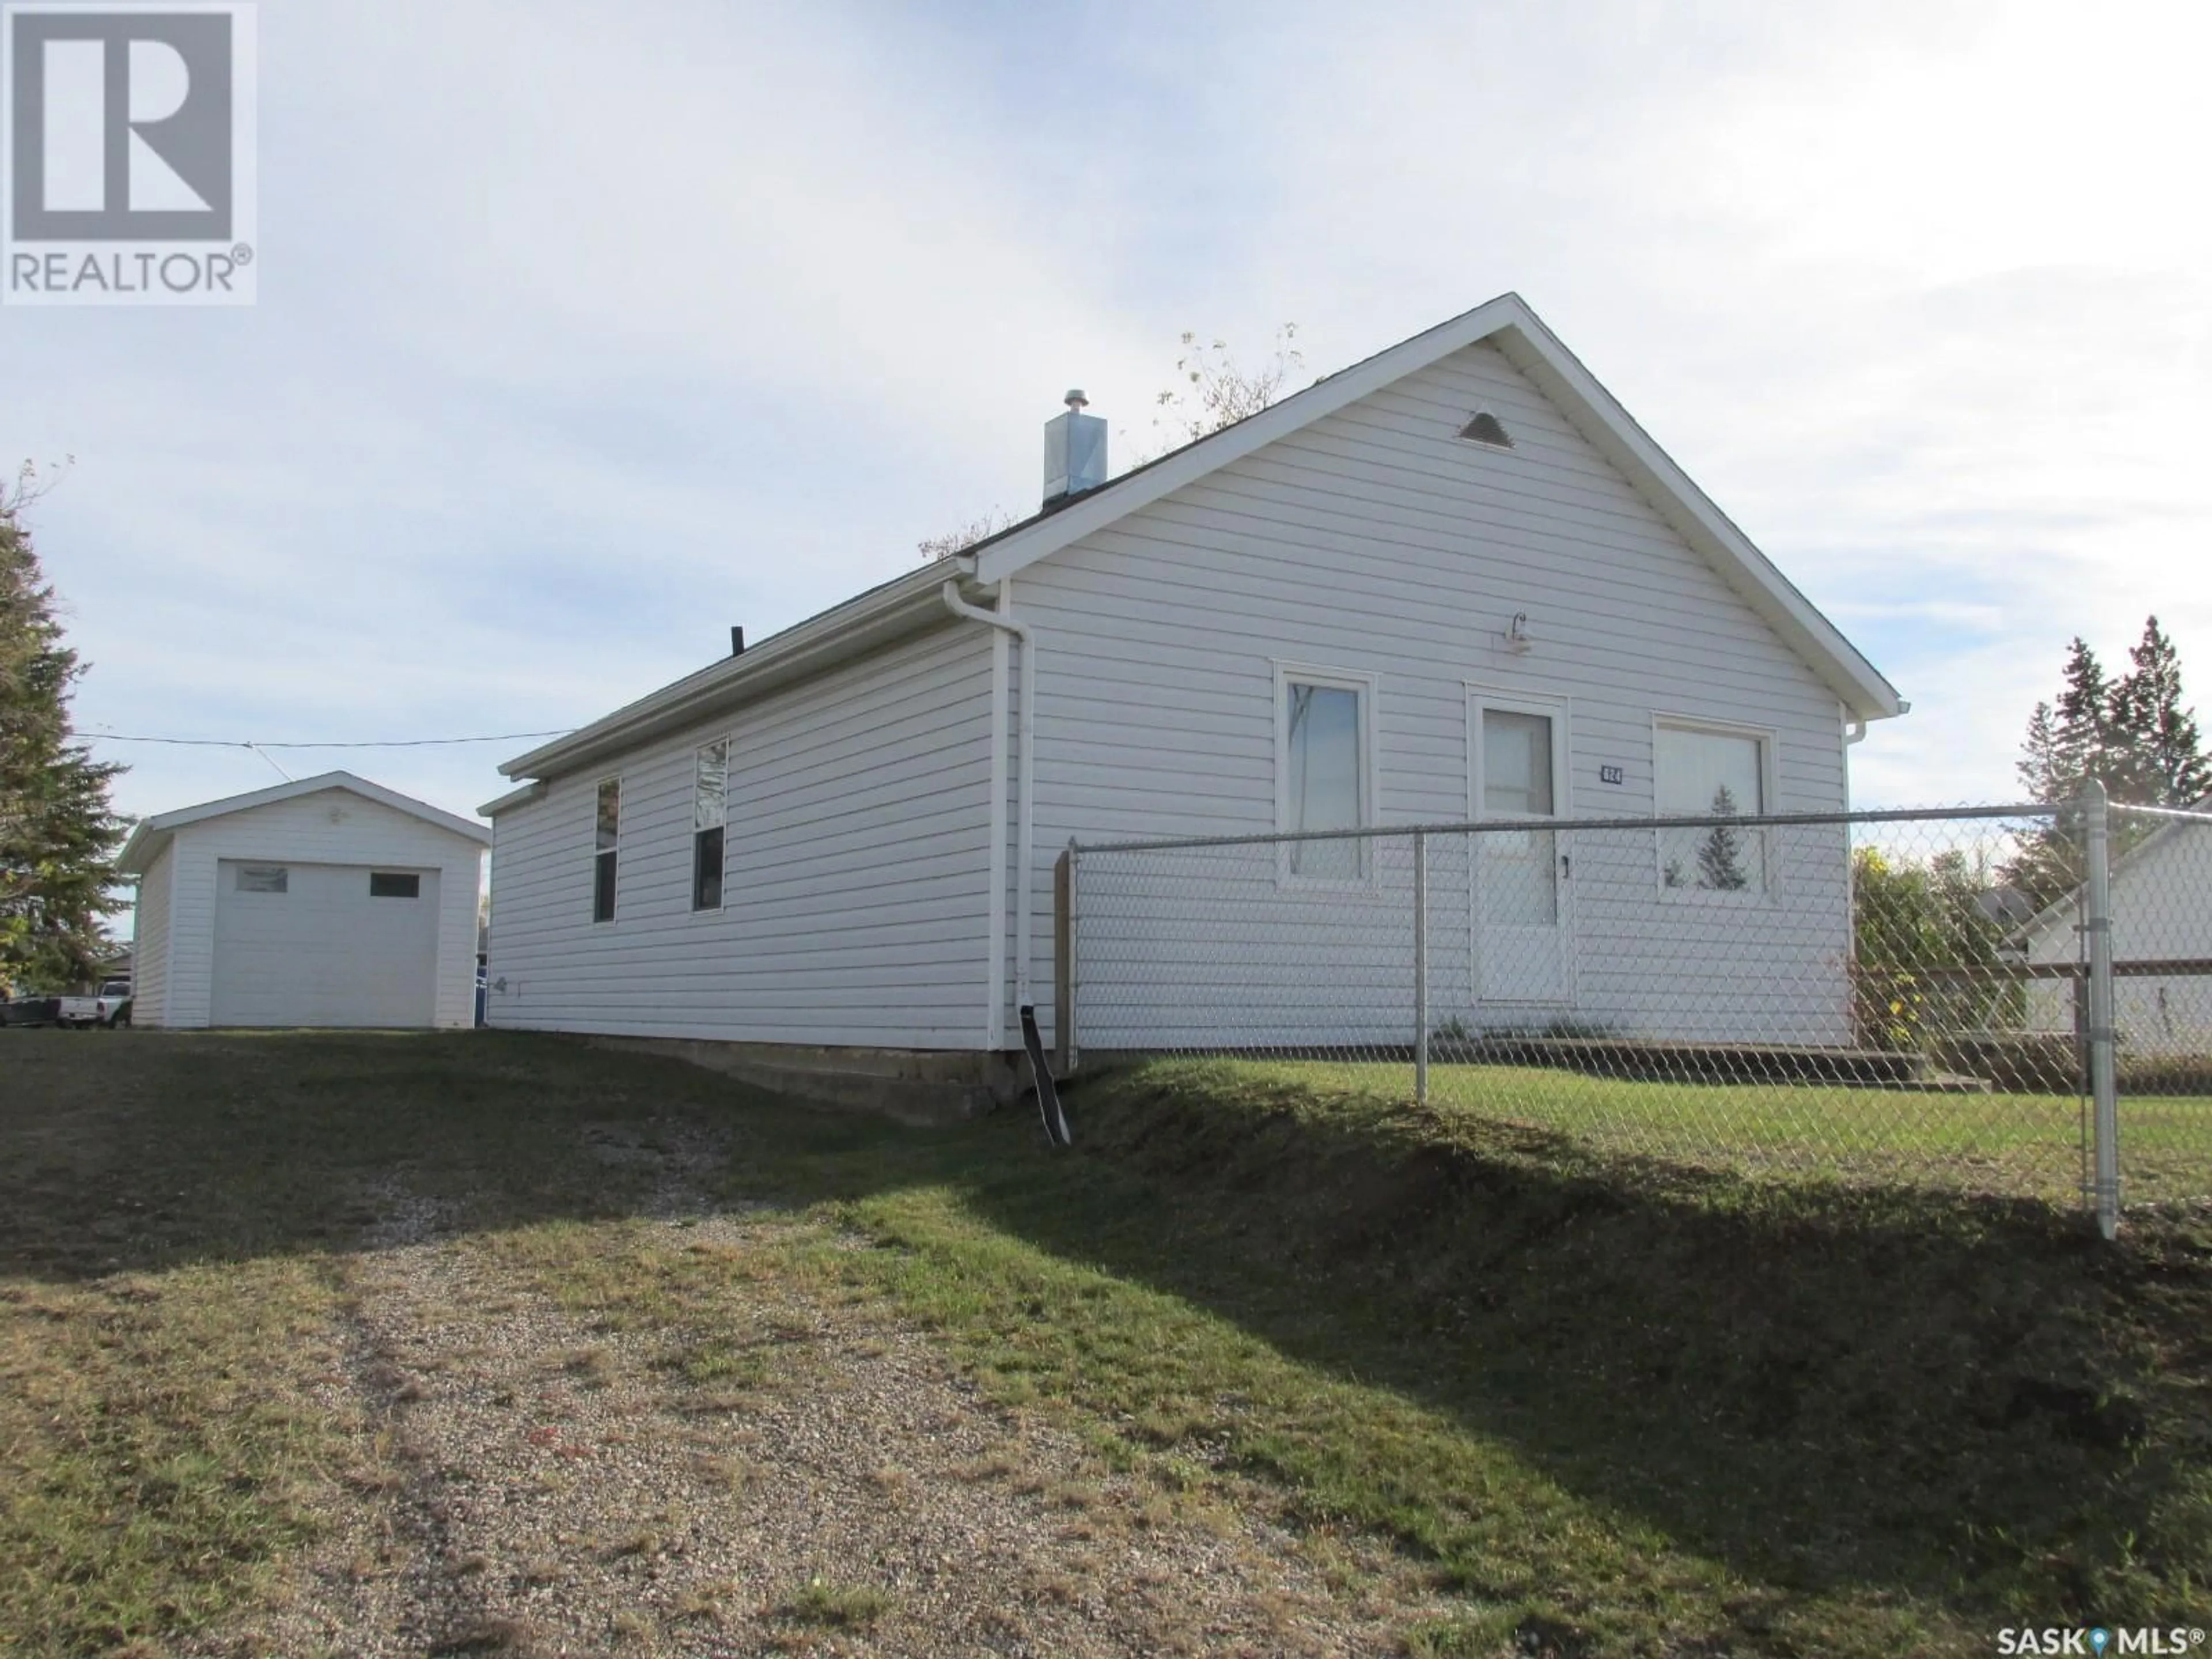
(1454, 580)
(332, 900)
(2162, 909)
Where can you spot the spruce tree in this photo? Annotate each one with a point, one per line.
(1720, 855)
(58, 832)
(2068, 743)
(2039, 765)
(2164, 764)
(2084, 746)
(2135, 735)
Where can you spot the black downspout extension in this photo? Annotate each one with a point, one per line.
(1048, 1092)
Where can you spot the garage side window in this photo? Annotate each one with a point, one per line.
(606, 839)
(385, 884)
(710, 800)
(264, 878)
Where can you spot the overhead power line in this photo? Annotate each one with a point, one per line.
(367, 743)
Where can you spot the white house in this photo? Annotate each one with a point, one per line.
(2161, 910)
(1455, 580)
(332, 901)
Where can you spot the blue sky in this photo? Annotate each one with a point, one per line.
(586, 332)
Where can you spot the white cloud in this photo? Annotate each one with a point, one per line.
(583, 335)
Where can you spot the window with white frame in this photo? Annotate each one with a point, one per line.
(710, 797)
(1717, 772)
(1323, 731)
(606, 843)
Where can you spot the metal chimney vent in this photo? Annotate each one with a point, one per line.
(1074, 451)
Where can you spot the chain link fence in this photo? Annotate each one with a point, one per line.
(1926, 998)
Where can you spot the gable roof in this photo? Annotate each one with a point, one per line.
(153, 834)
(1507, 322)
(2067, 906)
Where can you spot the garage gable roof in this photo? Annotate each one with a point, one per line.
(153, 834)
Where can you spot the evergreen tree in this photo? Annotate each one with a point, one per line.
(2134, 735)
(2164, 764)
(2083, 735)
(1720, 855)
(56, 830)
(2039, 767)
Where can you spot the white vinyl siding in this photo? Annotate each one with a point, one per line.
(2161, 908)
(856, 871)
(332, 827)
(150, 941)
(1377, 541)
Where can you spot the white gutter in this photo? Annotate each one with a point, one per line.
(829, 637)
(532, 790)
(1026, 811)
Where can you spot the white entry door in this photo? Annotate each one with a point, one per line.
(1518, 769)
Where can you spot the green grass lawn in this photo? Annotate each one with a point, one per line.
(2002, 1143)
(1609, 1405)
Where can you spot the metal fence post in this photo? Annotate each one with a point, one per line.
(2104, 1078)
(1421, 967)
(1070, 863)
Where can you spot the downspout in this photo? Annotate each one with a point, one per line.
(1025, 808)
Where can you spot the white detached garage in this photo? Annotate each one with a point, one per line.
(332, 901)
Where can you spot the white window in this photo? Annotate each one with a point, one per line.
(710, 798)
(1711, 771)
(1324, 769)
(606, 849)
(264, 878)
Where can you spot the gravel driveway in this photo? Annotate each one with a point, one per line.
(527, 1481)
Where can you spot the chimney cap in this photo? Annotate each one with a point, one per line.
(1075, 399)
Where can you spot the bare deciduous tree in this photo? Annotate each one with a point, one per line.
(961, 538)
(1210, 391)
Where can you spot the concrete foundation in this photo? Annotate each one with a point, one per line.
(913, 1085)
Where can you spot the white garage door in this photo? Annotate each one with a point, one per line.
(325, 944)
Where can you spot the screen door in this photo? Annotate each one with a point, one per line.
(1520, 900)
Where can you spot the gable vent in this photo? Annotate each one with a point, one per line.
(1486, 428)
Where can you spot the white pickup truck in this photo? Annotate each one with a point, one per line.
(111, 1007)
